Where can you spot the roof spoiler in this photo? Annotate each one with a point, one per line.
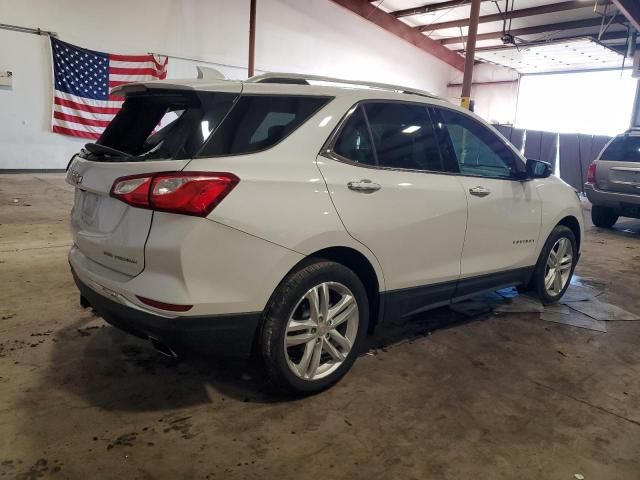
(204, 73)
(121, 90)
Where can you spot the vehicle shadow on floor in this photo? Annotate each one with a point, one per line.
(625, 227)
(116, 371)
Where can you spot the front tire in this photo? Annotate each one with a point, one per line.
(557, 261)
(314, 327)
(603, 217)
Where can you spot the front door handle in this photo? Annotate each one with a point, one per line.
(479, 191)
(364, 186)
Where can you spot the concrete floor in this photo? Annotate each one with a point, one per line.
(493, 397)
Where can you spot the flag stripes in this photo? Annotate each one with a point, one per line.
(83, 105)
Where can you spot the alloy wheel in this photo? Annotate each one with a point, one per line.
(558, 268)
(321, 331)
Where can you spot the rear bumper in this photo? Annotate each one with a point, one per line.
(618, 201)
(229, 335)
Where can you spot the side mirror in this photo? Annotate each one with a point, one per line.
(538, 169)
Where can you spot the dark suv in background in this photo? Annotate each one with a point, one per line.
(613, 180)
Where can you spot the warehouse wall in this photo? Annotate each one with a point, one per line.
(305, 36)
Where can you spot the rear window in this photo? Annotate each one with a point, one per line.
(623, 149)
(258, 122)
(165, 125)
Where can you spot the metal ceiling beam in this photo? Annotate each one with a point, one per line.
(498, 17)
(590, 22)
(493, 82)
(631, 10)
(391, 24)
(606, 36)
(618, 37)
(622, 48)
(432, 7)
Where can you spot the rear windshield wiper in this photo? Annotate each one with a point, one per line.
(98, 149)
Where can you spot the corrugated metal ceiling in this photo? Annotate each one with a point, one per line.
(584, 10)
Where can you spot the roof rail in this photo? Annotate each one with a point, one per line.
(299, 78)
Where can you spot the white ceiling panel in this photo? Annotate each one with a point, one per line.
(579, 54)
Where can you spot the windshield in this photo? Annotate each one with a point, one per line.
(162, 125)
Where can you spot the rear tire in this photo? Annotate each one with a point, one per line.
(603, 217)
(557, 261)
(314, 327)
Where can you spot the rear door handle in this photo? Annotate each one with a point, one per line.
(364, 186)
(479, 191)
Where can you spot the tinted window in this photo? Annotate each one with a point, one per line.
(403, 136)
(159, 125)
(623, 149)
(354, 142)
(258, 122)
(479, 151)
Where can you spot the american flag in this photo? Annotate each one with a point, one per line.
(82, 104)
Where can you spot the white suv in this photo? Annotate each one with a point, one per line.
(286, 219)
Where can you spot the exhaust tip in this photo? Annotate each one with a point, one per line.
(162, 348)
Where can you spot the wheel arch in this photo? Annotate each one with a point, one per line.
(355, 261)
(360, 265)
(574, 225)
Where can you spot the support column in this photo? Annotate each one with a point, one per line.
(252, 38)
(635, 116)
(470, 54)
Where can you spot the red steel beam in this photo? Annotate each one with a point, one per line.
(470, 54)
(631, 10)
(498, 17)
(494, 82)
(393, 25)
(590, 22)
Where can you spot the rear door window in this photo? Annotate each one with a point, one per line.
(258, 122)
(354, 141)
(403, 136)
(623, 149)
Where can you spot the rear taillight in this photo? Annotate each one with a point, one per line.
(591, 173)
(188, 193)
(133, 190)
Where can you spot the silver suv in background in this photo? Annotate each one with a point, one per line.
(613, 180)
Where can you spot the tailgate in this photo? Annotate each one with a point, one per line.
(621, 177)
(618, 168)
(106, 230)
